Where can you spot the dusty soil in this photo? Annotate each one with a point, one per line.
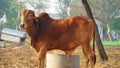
(27, 58)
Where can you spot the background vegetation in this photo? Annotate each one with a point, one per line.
(107, 11)
(12, 9)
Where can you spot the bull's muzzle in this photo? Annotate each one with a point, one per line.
(22, 25)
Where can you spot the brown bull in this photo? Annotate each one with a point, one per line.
(65, 34)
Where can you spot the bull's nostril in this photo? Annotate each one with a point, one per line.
(22, 25)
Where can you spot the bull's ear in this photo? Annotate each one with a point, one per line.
(24, 11)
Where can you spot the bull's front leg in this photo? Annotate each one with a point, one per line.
(41, 57)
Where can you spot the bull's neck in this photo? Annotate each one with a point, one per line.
(29, 32)
(33, 40)
(32, 34)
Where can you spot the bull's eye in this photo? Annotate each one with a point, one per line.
(30, 15)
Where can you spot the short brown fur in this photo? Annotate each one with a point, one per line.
(65, 34)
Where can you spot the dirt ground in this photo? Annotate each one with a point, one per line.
(27, 58)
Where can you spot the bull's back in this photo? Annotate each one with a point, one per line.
(83, 29)
(71, 32)
(76, 25)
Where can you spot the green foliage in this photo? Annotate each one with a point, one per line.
(115, 24)
(64, 6)
(114, 43)
(10, 23)
(17, 6)
(4, 7)
(12, 9)
(112, 8)
(106, 11)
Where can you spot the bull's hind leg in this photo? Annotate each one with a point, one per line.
(89, 55)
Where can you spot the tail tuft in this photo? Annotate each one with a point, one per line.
(94, 59)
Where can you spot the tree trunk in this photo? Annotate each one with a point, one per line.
(108, 32)
(108, 27)
(99, 44)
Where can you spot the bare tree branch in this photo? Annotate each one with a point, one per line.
(113, 14)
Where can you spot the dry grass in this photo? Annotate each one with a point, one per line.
(27, 58)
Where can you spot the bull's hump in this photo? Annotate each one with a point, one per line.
(43, 14)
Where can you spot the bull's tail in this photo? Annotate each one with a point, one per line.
(94, 45)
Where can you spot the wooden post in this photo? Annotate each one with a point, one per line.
(4, 43)
(62, 61)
